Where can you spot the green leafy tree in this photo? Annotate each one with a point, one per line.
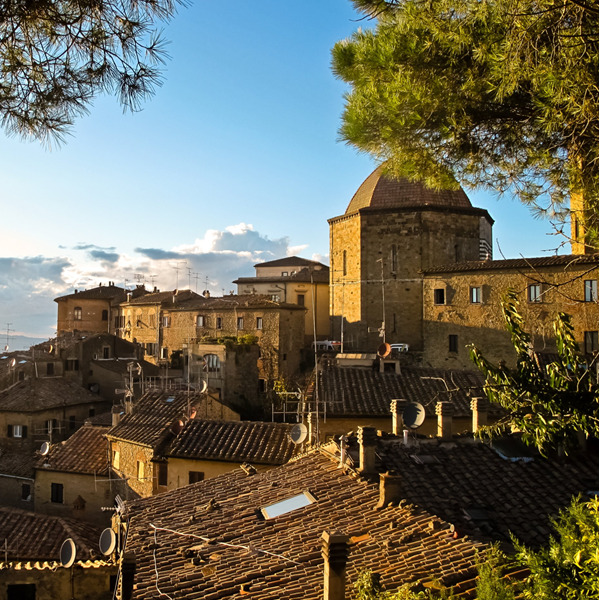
(550, 406)
(501, 93)
(56, 56)
(567, 568)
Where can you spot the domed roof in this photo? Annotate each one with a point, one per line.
(379, 191)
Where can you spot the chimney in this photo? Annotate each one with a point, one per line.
(335, 551)
(367, 440)
(116, 415)
(397, 408)
(444, 411)
(389, 489)
(479, 408)
(128, 569)
(128, 406)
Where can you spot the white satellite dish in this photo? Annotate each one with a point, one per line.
(13, 362)
(45, 448)
(108, 541)
(67, 553)
(299, 433)
(413, 415)
(203, 386)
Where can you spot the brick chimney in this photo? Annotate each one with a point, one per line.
(479, 408)
(335, 550)
(444, 411)
(397, 408)
(116, 415)
(367, 441)
(390, 489)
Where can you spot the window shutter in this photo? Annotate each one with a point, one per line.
(24, 431)
(10, 433)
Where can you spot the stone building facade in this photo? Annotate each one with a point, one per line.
(391, 231)
(462, 305)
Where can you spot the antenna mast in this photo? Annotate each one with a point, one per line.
(8, 330)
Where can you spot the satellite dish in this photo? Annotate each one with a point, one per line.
(177, 426)
(193, 412)
(413, 415)
(384, 350)
(50, 349)
(67, 553)
(108, 541)
(203, 386)
(45, 448)
(13, 362)
(298, 433)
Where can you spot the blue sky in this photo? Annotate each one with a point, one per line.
(236, 159)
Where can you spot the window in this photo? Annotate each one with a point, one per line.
(590, 341)
(20, 591)
(92, 412)
(56, 493)
(475, 295)
(452, 343)
(259, 323)
(105, 315)
(140, 470)
(106, 352)
(200, 321)
(300, 300)
(285, 506)
(25, 492)
(163, 478)
(240, 322)
(152, 319)
(591, 290)
(219, 323)
(17, 431)
(439, 296)
(213, 364)
(166, 321)
(50, 368)
(196, 476)
(138, 319)
(72, 364)
(284, 273)
(164, 353)
(51, 425)
(77, 313)
(393, 258)
(116, 459)
(534, 292)
(344, 264)
(72, 422)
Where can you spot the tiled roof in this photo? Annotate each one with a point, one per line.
(355, 391)
(470, 485)
(119, 365)
(237, 441)
(31, 536)
(171, 297)
(152, 413)
(211, 539)
(103, 292)
(101, 420)
(234, 301)
(304, 275)
(84, 452)
(379, 191)
(290, 261)
(565, 260)
(33, 395)
(17, 463)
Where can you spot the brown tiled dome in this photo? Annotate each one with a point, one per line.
(379, 191)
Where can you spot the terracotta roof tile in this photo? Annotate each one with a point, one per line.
(238, 441)
(290, 261)
(17, 463)
(33, 395)
(103, 292)
(86, 451)
(31, 536)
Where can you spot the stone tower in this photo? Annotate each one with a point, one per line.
(391, 231)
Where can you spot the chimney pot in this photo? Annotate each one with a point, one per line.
(479, 408)
(116, 415)
(397, 408)
(335, 550)
(390, 489)
(367, 440)
(444, 411)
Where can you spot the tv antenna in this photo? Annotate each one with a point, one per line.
(196, 277)
(8, 330)
(177, 269)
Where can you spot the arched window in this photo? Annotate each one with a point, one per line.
(105, 315)
(77, 313)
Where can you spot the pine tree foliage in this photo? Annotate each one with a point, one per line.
(552, 406)
(501, 93)
(56, 56)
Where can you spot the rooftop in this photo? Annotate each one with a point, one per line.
(33, 395)
(84, 452)
(235, 441)
(17, 463)
(291, 261)
(305, 275)
(356, 391)
(102, 292)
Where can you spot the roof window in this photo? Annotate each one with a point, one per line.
(285, 506)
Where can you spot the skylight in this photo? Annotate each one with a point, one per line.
(285, 506)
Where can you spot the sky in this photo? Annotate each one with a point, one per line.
(235, 160)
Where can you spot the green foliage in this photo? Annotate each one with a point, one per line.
(551, 407)
(501, 93)
(568, 567)
(490, 582)
(368, 587)
(57, 56)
